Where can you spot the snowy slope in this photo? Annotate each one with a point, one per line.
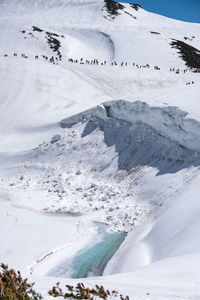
(74, 153)
(82, 30)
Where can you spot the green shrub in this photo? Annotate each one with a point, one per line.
(82, 292)
(13, 287)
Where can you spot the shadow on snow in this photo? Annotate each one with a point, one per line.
(140, 145)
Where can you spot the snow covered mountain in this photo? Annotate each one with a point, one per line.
(100, 123)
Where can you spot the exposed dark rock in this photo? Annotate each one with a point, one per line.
(154, 32)
(113, 7)
(54, 43)
(51, 40)
(130, 15)
(52, 34)
(35, 28)
(189, 54)
(135, 6)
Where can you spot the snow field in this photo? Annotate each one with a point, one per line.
(132, 165)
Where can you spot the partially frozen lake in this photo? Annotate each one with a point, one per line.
(92, 260)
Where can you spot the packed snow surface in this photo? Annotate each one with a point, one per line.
(100, 123)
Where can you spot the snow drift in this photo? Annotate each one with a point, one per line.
(169, 122)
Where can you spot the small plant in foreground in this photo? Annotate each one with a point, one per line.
(13, 287)
(82, 292)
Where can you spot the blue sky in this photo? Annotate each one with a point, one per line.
(185, 10)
